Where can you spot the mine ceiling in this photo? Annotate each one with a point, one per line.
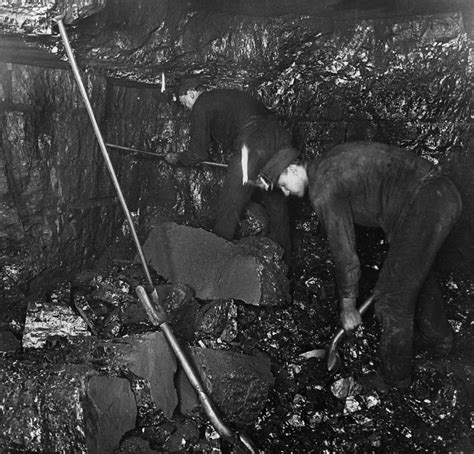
(136, 41)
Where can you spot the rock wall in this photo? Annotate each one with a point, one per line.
(57, 207)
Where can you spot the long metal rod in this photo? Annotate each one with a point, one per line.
(75, 70)
(134, 150)
(161, 155)
(158, 319)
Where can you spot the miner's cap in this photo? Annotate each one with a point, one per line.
(189, 83)
(278, 163)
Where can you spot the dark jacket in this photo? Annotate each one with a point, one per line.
(363, 183)
(219, 114)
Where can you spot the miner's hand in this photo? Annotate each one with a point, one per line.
(350, 316)
(171, 158)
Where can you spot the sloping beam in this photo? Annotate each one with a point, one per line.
(15, 49)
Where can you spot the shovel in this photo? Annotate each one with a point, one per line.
(331, 354)
(333, 357)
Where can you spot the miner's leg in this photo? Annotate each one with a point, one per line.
(395, 311)
(413, 248)
(232, 201)
(263, 137)
(276, 205)
(435, 331)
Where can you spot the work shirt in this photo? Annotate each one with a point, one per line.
(220, 114)
(365, 183)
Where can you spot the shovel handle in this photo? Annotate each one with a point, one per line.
(366, 304)
(340, 334)
(362, 310)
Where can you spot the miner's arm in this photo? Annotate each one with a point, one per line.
(336, 217)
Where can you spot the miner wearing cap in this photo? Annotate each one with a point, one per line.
(234, 119)
(377, 185)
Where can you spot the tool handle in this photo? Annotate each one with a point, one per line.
(214, 164)
(134, 150)
(366, 304)
(155, 312)
(340, 334)
(161, 155)
(103, 149)
(362, 310)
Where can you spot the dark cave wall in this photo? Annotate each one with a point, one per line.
(403, 80)
(57, 205)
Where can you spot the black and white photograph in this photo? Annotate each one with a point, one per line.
(236, 226)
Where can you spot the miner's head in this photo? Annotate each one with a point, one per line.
(285, 171)
(189, 89)
(293, 180)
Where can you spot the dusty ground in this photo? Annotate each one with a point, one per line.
(311, 411)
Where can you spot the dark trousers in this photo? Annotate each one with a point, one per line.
(234, 199)
(263, 136)
(406, 291)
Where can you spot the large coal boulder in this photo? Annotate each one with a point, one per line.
(216, 268)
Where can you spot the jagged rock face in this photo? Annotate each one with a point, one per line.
(52, 190)
(330, 77)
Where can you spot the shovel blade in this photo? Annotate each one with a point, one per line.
(333, 361)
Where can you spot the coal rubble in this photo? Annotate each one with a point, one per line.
(301, 407)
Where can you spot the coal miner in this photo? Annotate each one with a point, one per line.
(234, 118)
(373, 184)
